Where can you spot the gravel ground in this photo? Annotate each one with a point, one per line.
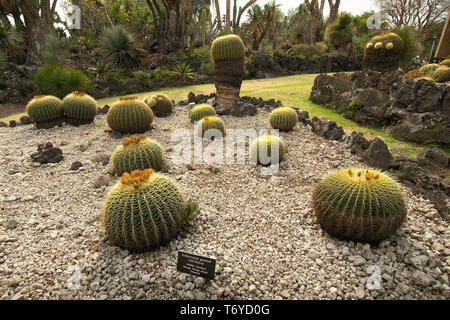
(261, 229)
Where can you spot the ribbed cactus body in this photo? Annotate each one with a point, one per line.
(228, 53)
(261, 150)
(160, 104)
(359, 204)
(208, 123)
(442, 74)
(130, 115)
(79, 108)
(428, 69)
(445, 63)
(45, 111)
(200, 111)
(283, 118)
(143, 211)
(137, 153)
(383, 52)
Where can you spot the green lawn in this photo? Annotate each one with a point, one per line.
(293, 91)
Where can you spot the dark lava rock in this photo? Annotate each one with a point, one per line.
(377, 154)
(13, 123)
(25, 120)
(192, 98)
(47, 154)
(2, 124)
(104, 110)
(76, 165)
(326, 129)
(437, 157)
(244, 109)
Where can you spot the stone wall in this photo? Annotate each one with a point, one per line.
(410, 109)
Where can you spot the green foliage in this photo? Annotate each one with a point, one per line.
(129, 115)
(79, 108)
(144, 78)
(45, 111)
(137, 153)
(56, 49)
(191, 212)
(359, 42)
(183, 70)
(427, 70)
(200, 111)
(265, 144)
(100, 69)
(283, 118)
(411, 46)
(442, 74)
(143, 211)
(341, 32)
(445, 63)
(359, 204)
(307, 50)
(122, 48)
(11, 41)
(3, 58)
(55, 80)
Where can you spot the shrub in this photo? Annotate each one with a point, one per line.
(56, 49)
(11, 41)
(143, 211)
(55, 80)
(121, 48)
(359, 204)
(341, 32)
(307, 50)
(137, 153)
(411, 47)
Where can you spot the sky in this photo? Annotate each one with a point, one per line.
(352, 6)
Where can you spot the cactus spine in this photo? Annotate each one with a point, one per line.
(200, 111)
(359, 204)
(143, 211)
(208, 123)
(130, 115)
(283, 118)
(228, 53)
(268, 150)
(160, 104)
(137, 153)
(45, 111)
(79, 108)
(383, 52)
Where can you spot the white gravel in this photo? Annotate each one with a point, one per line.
(261, 229)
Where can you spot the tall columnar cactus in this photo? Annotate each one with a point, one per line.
(45, 111)
(160, 104)
(200, 111)
(129, 115)
(228, 53)
(283, 118)
(143, 211)
(79, 108)
(208, 123)
(383, 52)
(261, 150)
(359, 204)
(137, 153)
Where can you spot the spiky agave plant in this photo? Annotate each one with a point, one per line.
(121, 48)
(228, 54)
(137, 153)
(143, 211)
(359, 204)
(268, 150)
(130, 115)
(45, 111)
(200, 111)
(283, 118)
(383, 52)
(79, 108)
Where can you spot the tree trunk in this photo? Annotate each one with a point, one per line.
(334, 10)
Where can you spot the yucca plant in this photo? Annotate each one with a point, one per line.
(55, 80)
(56, 49)
(183, 70)
(341, 32)
(3, 58)
(11, 41)
(121, 48)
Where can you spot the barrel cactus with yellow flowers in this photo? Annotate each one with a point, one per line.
(130, 115)
(228, 53)
(359, 204)
(45, 111)
(143, 211)
(137, 153)
(200, 111)
(79, 108)
(267, 150)
(283, 118)
(160, 104)
(383, 52)
(209, 123)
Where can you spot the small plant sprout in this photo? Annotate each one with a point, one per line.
(191, 212)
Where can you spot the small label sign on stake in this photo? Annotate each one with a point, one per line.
(196, 265)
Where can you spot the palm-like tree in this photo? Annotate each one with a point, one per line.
(11, 41)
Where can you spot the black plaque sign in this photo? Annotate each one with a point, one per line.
(196, 265)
